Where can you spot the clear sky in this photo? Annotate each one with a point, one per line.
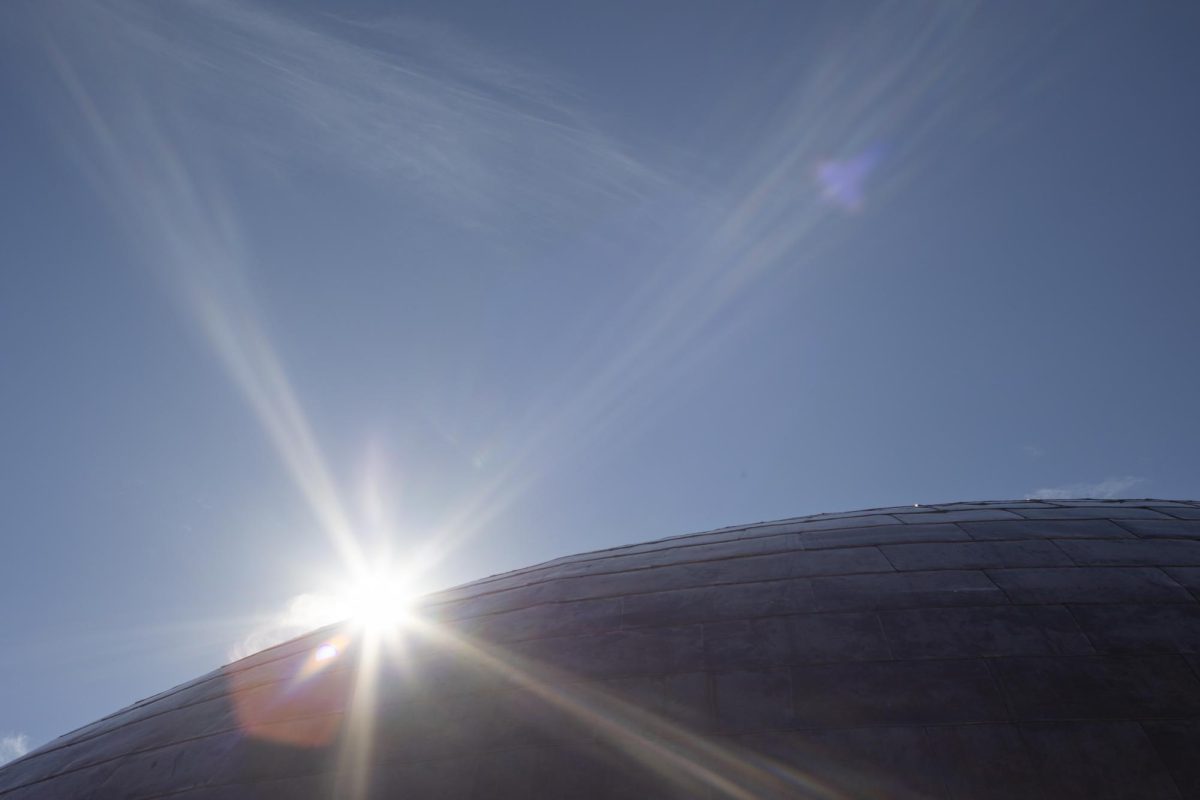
(468, 286)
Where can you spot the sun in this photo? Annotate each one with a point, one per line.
(379, 601)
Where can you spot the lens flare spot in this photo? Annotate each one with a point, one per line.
(843, 181)
(326, 652)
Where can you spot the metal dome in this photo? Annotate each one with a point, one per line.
(970, 650)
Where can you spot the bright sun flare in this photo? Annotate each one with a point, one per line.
(379, 602)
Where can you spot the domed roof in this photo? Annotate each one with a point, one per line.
(970, 650)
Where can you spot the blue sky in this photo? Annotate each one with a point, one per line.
(470, 286)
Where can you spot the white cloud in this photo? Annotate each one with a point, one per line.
(1107, 488)
(13, 746)
(303, 613)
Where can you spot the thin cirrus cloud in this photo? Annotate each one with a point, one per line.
(1105, 489)
(441, 119)
(13, 746)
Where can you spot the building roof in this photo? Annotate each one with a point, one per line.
(992, 649)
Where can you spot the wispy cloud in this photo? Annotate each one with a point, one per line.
(1107, 488)
(13, 745)
(301, 614)
(437, 118)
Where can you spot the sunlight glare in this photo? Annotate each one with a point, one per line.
(379, 602)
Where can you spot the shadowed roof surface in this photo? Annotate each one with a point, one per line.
(1021, 649)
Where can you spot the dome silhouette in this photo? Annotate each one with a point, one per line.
(1035, 649)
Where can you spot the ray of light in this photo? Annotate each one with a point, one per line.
(151, 167)
(666, 748)
(185, 225)
(358, 733)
